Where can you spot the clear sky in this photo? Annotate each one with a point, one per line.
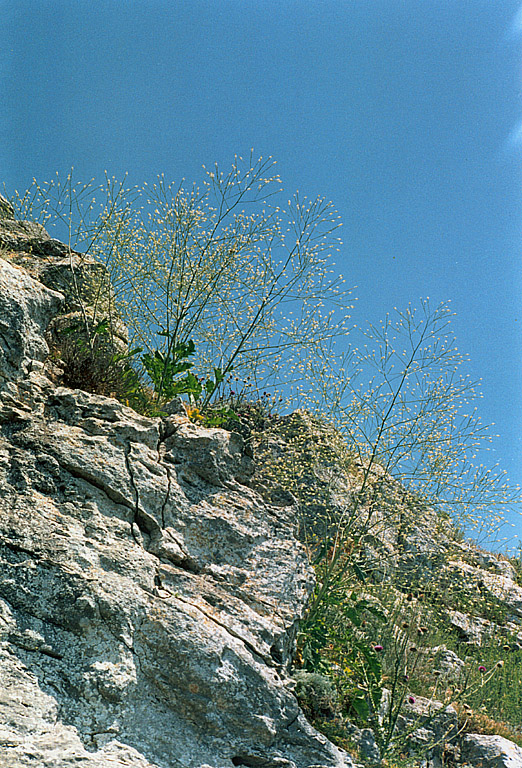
(407, 114)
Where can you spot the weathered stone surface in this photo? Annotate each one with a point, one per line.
(151, 585)
(496, 585)
(26, 307)
(149, 594)
(428, 726)
(482, 751)
(472, 629)
(23, 235)
(490, 561)
(83, 282)
(450, 666)
(148, 598)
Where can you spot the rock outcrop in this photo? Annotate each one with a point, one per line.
(148, 598)
(417, 559)
(151, 583)
(490, 752)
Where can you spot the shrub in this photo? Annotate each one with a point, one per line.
(317, 694)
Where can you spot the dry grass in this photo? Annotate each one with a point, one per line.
(479, 722)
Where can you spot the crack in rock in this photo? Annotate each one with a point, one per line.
(253, 650)
(89, 477)
(138, 518)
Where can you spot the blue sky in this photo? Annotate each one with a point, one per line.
(407, 114)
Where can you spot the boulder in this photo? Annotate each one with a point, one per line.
(480, 751)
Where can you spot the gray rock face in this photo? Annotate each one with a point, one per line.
(430, 726)
(490, 752)
(26, 308)
(148, 598)
(82, 282)
(149, 594)
(496, 585)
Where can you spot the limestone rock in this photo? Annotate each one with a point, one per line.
(495, 585)
(151, 582)
(153, 599)
(490, 752)
(450, 665)
(148, 598)
(472, 629)
(82, 281)
(429, 726)
(491, 561)
(26, 307)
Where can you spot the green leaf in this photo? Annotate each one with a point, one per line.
(215, 417)
(195, 386)
(102, 328)
(360, 705)
(182, 350)
(358, 572)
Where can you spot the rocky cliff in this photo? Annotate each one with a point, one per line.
(151, 585)
(451, 635)
(148, 597)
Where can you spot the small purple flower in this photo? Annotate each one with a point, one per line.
(411, 699)
(378, 648)
(482, 669)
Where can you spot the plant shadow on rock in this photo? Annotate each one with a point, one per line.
(86, 356)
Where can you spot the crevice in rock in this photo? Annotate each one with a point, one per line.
(5, 341)
(48, 651)
(276, 654)
(15, 547)
(149, 527)
(258, 761)
(167, 495)
(185, 562)
(253, 650)
(21, 609)
(161, 432)
(136, 520)
(29, 645)
(84, 474)
(292, 722)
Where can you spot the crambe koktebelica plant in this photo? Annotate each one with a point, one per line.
(230, 266)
